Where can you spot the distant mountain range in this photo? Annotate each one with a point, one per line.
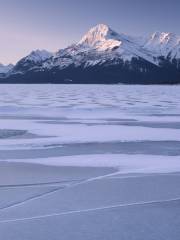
(103, 56)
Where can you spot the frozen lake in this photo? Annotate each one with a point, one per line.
(89, 162)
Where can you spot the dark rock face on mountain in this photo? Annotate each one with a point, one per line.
(104, 57)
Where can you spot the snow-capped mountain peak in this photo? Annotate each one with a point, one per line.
(162, 38)
(39, 55)
(102, 38)
(5, 68)
(31, 61)
(164, 44)
(102, 48)
(99, 33)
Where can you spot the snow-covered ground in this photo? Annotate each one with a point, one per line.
(89, 162)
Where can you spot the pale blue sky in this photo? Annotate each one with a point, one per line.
(52, 24)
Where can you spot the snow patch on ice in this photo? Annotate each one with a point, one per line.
(125, 163)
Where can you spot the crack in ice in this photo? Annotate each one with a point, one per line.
(89, 210)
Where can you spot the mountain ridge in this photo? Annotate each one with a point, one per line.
(105, 54)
